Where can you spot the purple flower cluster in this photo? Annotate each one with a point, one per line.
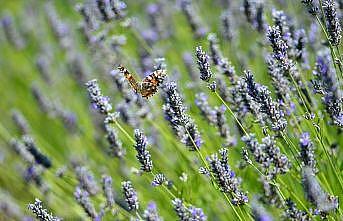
(143, 154)
(130, 195)
(180, 121)
(333, 24)
(108, 191)
(307, 154)
(82, 197)
(151, 214)
(99, 101)
(159, 179)
(323, 202)
(203, 64)
(324, 83)
(267, 155)
(269, 108)
(185, 213)
(41, 213)
(226, 178)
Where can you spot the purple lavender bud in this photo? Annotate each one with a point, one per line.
(105, 9)
(260, 23)
(115, 148)
(203, 64)
(325, 83)
(248, 9)
(86, 180)
(227, 29)
(259, 212)
(196, 214)
(33, 173)
(280, 161)
(175, 112)
(215, 52)
(280, 82)
(270, 192)
(224, 177)
(143, 155)
(150, 35)
(212, 86)
(43, 66)
(41, 213)
(312, 6)
(307, 154)
(188, 61)
(293, 213)
(20, 149)
(108, 191)
(201, 101)
(159, 179)
(193, 19)
(280, 20)
(223, 127)
(68, 118)
(32, 148)
(256, 149)
(11, 32)
(118, 7)
(9, 207)
(315, 194)
(223, 89)
(267, 154)
(130, 195)
(279, 46)
(101, 102)
(300, 43)
(59, 28)
(20, 122)
(86, 10)
(267, 106)
(82, 198)
(151, 214)
(333, 24)
(43, 102)
(180, 209)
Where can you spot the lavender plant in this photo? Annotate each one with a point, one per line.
(246, 125)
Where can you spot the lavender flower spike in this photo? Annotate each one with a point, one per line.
(315, 194)
(225, 177)
(182, 124)
(333, 25)
(100, 102)
(32, 148)
(130, 195)
(143, 154)
(203, 64)
(82, 197)
(307, 154)
(159, 179)
(151, 214)
(188, 214)
(108, 191)
(41, 213)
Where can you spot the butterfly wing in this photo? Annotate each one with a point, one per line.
(132, 81)
(149, 85)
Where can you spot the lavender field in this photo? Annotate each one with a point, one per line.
(187, 110)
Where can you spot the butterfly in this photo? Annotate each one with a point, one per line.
(149, 84)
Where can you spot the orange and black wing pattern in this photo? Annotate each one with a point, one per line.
(150, 83)
(149, 86)
(132, 81)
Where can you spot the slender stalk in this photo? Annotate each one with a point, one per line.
(231, 112)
